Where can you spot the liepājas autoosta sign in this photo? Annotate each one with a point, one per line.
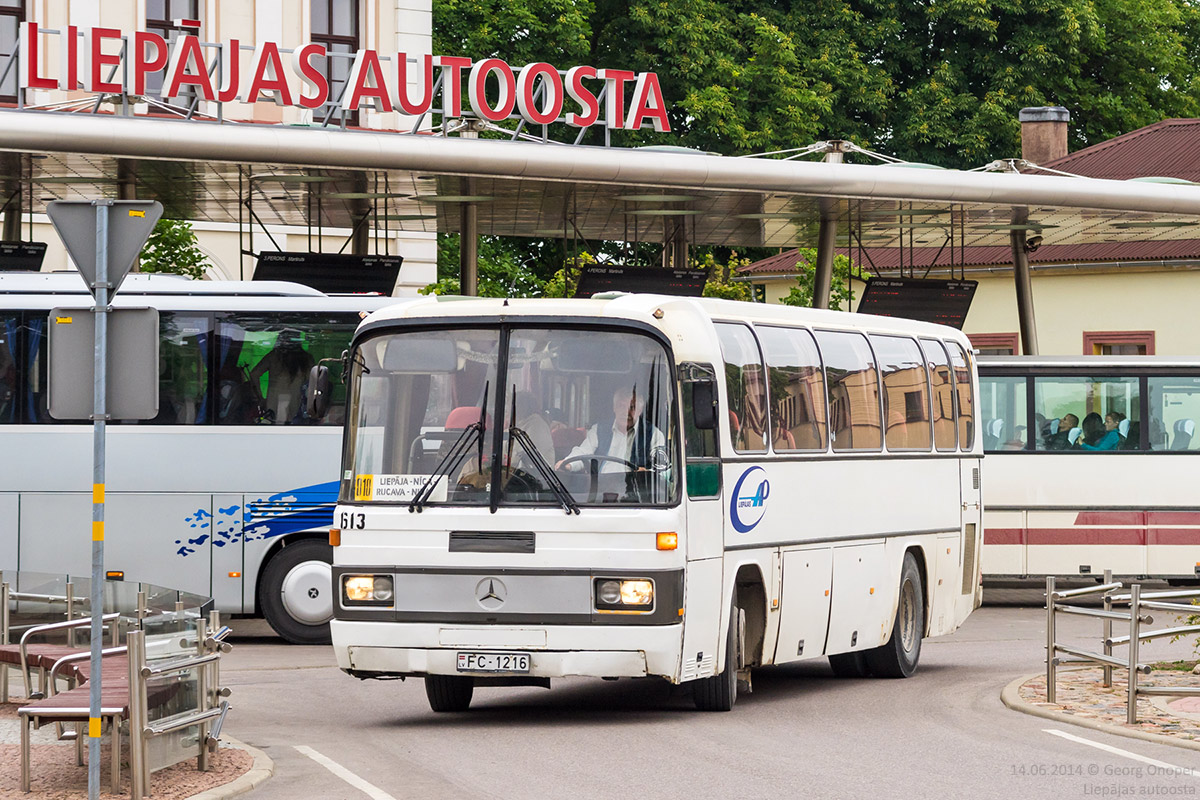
(109, 61)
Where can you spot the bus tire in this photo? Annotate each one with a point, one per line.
(297, 592)
(898, 658)
(850, 665)
(449, 692)
(719, 692)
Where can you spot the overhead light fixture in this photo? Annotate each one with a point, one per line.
(656, 198)
(663, 212)
(364, 195)
(271, 177)
(406, 217)
(452, 198)
(768, 215)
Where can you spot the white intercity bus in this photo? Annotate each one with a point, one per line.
(229, 491)
(1092, 465)
(641, 485)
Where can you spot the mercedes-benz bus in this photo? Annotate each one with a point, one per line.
(640, 485)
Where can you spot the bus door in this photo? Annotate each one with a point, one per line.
(704, 520)
(971, 536)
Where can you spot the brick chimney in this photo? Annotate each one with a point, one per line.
(1044, 133)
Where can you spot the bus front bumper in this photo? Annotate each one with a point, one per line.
(371, 649)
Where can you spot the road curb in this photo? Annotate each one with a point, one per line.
(1011, 697)
(262, 769)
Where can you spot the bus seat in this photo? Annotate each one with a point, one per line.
(1074, 434)
(1123, 428)
(461, 417)
(1133, 439)
(993, 434)
(566, 440)
(1184, 428)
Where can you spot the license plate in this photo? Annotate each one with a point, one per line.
(493, 662)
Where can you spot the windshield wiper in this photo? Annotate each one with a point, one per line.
(456, 453)
(544, 469)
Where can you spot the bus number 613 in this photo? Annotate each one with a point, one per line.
(353, 521)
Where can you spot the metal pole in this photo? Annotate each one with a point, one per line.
(1024, 285)
(3, 639)
(823, 273)
(70, 613)
(137, 714)
(1050, 693)
(468, 244)
(202, 686)
(1107, 630)
(98, 419)
(1135, 619)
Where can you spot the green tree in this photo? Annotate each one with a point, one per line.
(172, 248)
(841, 293)
(720, 281)
(501, 272)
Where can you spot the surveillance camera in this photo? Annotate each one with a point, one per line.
(1033, 243)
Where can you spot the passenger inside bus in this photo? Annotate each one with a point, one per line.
(1108, 438)
(1060, 432)
(286, 368)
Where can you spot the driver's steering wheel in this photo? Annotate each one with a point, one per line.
(594, 471)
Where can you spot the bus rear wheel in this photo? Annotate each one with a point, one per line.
(297, 592)
(898, 658)
(719, 692)
(850, 665)
(449, 692)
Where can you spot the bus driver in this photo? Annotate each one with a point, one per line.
(628, 438)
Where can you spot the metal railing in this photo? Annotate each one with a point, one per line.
(1135, 618)
(211, 705)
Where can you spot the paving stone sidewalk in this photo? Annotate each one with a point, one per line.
(1080, 693)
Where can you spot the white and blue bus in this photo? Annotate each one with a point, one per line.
(638, 485)
(229, 491)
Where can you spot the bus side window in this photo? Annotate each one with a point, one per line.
(905, 392)
(183, 357)
(745, 383)
(797, 388)
(10, 324)
(1004, 411)
(852, 385)
(944, 434)
(1174, 413)
(702, 461)
(966, 403)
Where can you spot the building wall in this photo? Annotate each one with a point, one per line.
(1066, 306)
(386, 26)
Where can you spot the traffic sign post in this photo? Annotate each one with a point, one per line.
(103, 247)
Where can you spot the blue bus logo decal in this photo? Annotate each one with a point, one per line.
(749, 502)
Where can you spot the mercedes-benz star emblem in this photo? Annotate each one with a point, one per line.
(491, 593)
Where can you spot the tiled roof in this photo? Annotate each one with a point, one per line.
(885, 258)
(1169, 148)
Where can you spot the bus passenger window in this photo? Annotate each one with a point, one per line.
(1003, 407)
(183, 395)
(966, 403)
(943, 394)
(1174, 412)
(905, 393)
(797, 388)
(1087, 413)
(9, 392)
(852, 387)
(746, 385)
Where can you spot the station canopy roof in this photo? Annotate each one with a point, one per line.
(323, 176)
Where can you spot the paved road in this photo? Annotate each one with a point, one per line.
(802, 733)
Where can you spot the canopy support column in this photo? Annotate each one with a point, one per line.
(823, 274)
(1024, 286)
(360, 212)
(468, 244)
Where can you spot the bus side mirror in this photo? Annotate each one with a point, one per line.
(316, 396)
(704, 405)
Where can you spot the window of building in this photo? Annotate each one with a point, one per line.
(852, 386)
(1118, 343)
(335, 24)
(746, 386)
(160, 19)
(12, 14)
(905, 393)
(797, 387)
(995, 344)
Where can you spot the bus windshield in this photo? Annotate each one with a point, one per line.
(564, 417)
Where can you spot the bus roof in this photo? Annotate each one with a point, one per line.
(1093, 362)
(643, 307)
(149, 284)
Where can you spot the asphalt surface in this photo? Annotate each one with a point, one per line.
(801, 733)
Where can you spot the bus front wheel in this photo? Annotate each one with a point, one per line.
(449, 692)
(898, 658)
(719, 692)
(297, 592)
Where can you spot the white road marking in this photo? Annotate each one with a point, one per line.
(369, 789)
(1118, 751)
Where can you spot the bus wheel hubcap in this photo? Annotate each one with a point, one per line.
(308, 593)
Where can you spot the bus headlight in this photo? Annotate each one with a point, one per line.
(367, 590)
(617, 595)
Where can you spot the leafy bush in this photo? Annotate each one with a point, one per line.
(172, 248)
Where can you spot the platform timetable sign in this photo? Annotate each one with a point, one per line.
(107, 61)
(943, 302)
(654, 280)
(332, 273)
